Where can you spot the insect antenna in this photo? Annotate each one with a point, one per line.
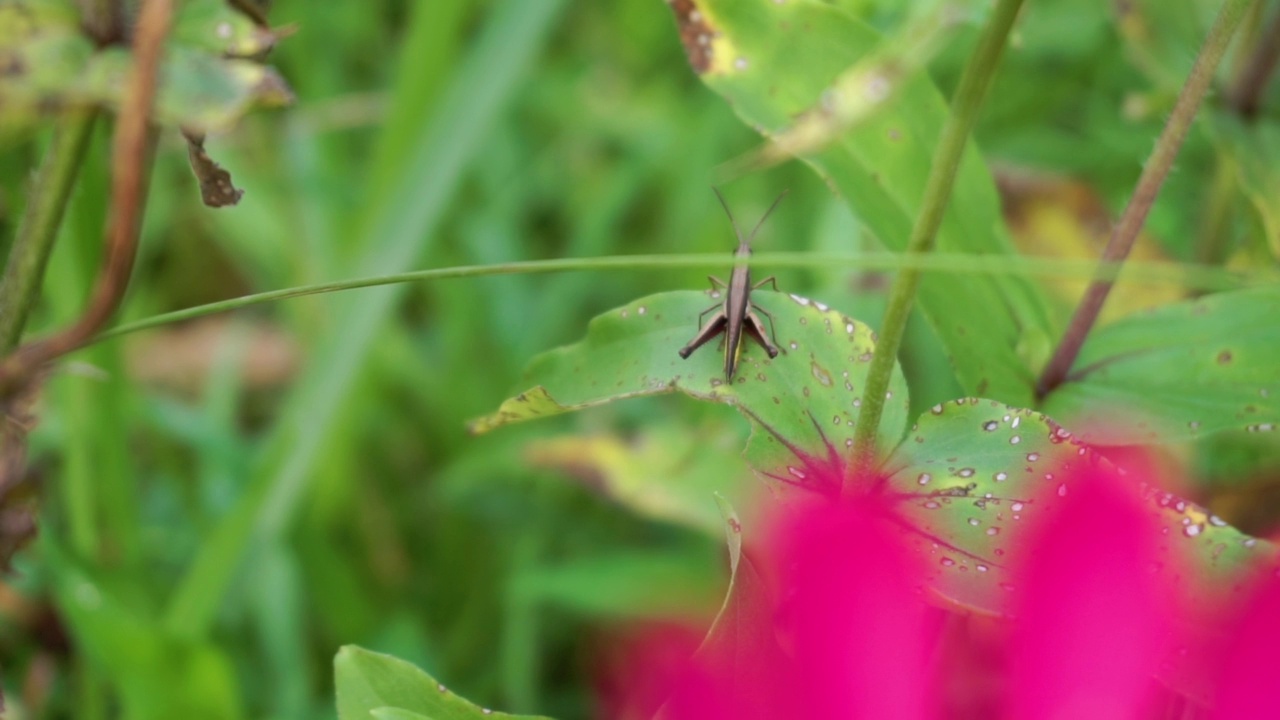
(728, 212)
(764, 217)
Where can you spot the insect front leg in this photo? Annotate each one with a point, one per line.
(717, 283)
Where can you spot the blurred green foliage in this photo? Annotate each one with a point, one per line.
(227, 503)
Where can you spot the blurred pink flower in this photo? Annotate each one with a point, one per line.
(833, 623)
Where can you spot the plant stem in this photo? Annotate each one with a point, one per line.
(1207, 278)
(1144, 195)
(130, 169)
(38, 229)
(1245, 96)
(937, 192)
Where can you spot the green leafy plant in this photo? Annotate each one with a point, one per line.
(299, 536)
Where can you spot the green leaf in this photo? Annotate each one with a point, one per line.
(1177, 372)
(773, 62)
(665, 472)
(803, 403)
(205, 84)
(397, 714)
(371, 684)
(971, 476)
(634, 584)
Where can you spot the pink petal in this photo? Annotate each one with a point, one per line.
(1248, 687)
(861, 631)
(1093, 619)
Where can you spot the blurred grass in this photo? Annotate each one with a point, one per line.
(268, 517)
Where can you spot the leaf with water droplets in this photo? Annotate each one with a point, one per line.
(1178, 372)
(776, 62)
(802, 403)
(974, 474)
(368, 681)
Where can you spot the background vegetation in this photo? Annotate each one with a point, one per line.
(227, 501)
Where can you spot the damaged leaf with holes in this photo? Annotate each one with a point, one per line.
(802, 404)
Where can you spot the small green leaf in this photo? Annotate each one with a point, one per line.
(1177, 372)
(973, 474)
(803, 403)
(205, 84)
(370, 683)
(776, 62)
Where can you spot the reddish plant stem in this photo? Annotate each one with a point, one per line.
(130, 168)
(1245, 96)
(1144, 195)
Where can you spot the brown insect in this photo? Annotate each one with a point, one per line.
(737, 316)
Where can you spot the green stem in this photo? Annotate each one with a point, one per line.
(937, 192)
(1144, 195)
(1187, 276)
(38, 229)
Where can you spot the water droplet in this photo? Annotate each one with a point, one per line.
(642, 310)
(1048, 476)
(794, 346)
(801, 300)
(974, 522)
(1217, 521)
(1250, 542)
(848, 327)
(936, 409)
(1016, 507)
(624, 313)
(1192, 530)
(966, 472)
(947, 562)
(1007, 587)
(796, 472)
(924, 478)
(888, 395)
(990, 425)
(1015, 440)
(820, 306)
(1062, 490)
(980, 568)
(715, 293)
(1262, 427)
(441, 687)
(836, 419)
(932, 505)
(993, 531)
(848, 442)
(1001, 477)
(857, 402)
(740, 63)
(1032, 457)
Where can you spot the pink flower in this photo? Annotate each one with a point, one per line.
(831, 621)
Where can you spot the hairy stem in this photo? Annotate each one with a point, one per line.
(937, 193)
(24, 272)
(1144, 195)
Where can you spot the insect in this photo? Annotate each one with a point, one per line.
(737, 315)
